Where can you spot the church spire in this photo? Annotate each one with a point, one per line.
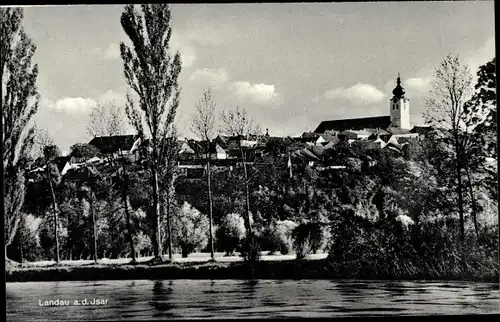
(398, 91)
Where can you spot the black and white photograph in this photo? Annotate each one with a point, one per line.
(167, 161)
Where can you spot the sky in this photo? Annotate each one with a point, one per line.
(290, 65)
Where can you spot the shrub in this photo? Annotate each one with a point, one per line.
(189, 229)
(230, 233)
(309, 237)
(278, 236)
(142, 244)
(27, 241)
(250, 250)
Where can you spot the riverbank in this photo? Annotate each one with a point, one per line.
(265, 269)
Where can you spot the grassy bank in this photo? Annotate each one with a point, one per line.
(283, 269)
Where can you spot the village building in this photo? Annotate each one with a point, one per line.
(313, 149)
(396, 124)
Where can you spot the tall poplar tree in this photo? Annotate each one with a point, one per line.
(152, 72)
(19, 104)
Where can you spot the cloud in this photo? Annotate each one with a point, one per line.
(80, 105)
(210, 34)
(258, 93)
(113, 52)
(481, 56)
(364, 94)
(187, 51)
(185, 41)
(96, 51)
(417, 86)
(414, 87)
(113, 97)
(70, 105)
(209, 76)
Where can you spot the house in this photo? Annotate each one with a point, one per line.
(186, 151)
(114, 145)
(325, 138)
(277, 145)
(296, 146)
(380, 142)
(305, 156)
(252, 144)
(63, 164)
(362, 134)
(421, 129)
(222, 140)
(318, 150)
(347, 136)
(202, 150)
(393, 144)
(380, 134)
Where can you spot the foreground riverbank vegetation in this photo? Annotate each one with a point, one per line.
(265, 269)
(426, 211)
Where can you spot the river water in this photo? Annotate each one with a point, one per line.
(146, 299)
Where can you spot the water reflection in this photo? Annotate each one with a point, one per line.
(395, 289)
(351, 291)
(161, 300)
(144, 299)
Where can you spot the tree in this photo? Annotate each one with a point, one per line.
(19, 104)
(125, 183)
(108, 120)
(152, 73)
(26, 239)
(167, 180)
(481, 117)
(451, 88)
(203, 126)
(238, 123)
(53, 178)
(42, 139)
(88, 194)
(279, 235)
(483, 107)
(105, 120)
(190, 229)
(231, 232)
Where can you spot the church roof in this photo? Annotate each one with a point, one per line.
(382, 122)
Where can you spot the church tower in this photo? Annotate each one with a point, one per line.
(399, 107)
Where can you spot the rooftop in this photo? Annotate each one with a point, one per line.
(377, 122)
(111, 144)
